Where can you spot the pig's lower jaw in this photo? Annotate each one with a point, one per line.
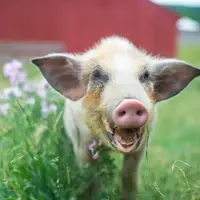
(128, 146)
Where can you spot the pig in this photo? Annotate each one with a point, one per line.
(111, 92)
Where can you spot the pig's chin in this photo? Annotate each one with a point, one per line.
(126, 140)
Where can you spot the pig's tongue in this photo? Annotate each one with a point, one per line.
(125, 137)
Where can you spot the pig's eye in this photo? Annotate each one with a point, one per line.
(96, 74)
(144, 76)
(99, 76)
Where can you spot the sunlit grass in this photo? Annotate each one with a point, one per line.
(172, 171)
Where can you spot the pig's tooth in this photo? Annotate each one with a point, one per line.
(137, 135)
(114, 143)
(110, 135)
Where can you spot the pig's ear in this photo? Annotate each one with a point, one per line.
(170, 77)
(63, 73)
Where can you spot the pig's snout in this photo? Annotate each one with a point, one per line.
(130, 113)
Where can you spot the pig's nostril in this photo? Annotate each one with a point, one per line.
(139, 112)
(122, 113)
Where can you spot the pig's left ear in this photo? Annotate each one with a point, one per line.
(63, 73)
(170, 77)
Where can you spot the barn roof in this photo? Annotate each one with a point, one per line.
(189, 9)
(192, 12)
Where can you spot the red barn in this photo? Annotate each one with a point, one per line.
(76, 24)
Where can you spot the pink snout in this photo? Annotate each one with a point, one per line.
(130, 113)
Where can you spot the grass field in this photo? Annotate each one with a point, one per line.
(36, 161)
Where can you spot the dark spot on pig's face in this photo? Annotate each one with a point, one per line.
(98, 77)
(146, 79)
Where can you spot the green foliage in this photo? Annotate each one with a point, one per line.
(38, 161)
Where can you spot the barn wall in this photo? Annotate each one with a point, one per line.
(165, 31)
(79, 24)
(32, 20)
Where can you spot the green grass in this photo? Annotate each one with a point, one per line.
(172, 171)
(36, 160)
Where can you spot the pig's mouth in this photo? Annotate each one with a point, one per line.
(126, 140)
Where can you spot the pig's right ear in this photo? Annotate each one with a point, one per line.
(63, 73)
(171, 76)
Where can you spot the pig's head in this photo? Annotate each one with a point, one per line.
(119, 87)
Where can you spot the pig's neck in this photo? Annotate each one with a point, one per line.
(76, 130)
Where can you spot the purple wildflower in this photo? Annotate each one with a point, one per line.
(21, 87)
(47, 108)
(95, 156)
(18, 78)
(44, 83)
(21, 78)
(2, 96)
(27, 88)
(12, 91)
(42, 89)
(52, 108)
(11, 68)
(41, 92)
(30, 100)
(92, 145)
(4, 109)
(44, 109)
